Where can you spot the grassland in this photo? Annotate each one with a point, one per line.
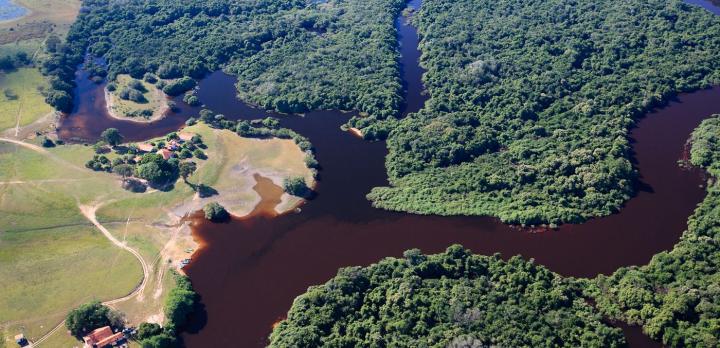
(20, 100)
(156, 102)
(52, 258)
(29, 32)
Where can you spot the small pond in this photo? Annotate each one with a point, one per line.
(9, 10)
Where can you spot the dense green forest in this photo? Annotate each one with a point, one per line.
(290, 56)
(531, 101)
(453, 299)
(676, 297)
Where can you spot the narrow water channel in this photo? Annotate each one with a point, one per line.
(249, 271)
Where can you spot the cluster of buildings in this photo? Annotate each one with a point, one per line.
(170, 147)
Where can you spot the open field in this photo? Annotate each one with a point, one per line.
(53, 259)
(46, 17)
(20, 100)
(155, 102)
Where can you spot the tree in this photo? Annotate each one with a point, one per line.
(124, 170)
(191, 100)
(187, 169)
(112, 136)
(150, 78)
(179, 86)
(60, 100)
(10, 94)
(147, 330)
(180, 303)
(159, 341)
(52, 43)
(199, 154)
(169, 71)
(7, 63)
(88, 317)
(215, 212)
(47, 142)
(296, 186)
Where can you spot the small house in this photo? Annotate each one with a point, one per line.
(165, 153)
(173, 145)
(103, 337)
(21, 340)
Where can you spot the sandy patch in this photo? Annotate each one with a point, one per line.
(158, 114)
(356, 132)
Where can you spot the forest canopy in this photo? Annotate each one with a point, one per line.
(289, 55)
(445, 300)
(531, 102)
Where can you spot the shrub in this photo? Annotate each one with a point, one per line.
(47, 142)
(310, 161)
(124, 94)
(172, 105)
(296, 186)
(191, 100)
(180, 86)
(10, 94)
(169, 71)
(137, 85)
(150, 78)
(147, 330)
(199, 154)
(136, 96)
(215, 212)
(185, 153)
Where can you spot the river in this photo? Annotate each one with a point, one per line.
(249, 271)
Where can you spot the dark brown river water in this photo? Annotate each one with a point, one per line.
(249, 271)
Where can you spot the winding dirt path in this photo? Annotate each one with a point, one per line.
(89, 213)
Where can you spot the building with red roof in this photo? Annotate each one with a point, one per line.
(102, 337)
(165, 153)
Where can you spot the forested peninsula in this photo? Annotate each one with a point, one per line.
(453, 299)
(291, 56)
(531, 102)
